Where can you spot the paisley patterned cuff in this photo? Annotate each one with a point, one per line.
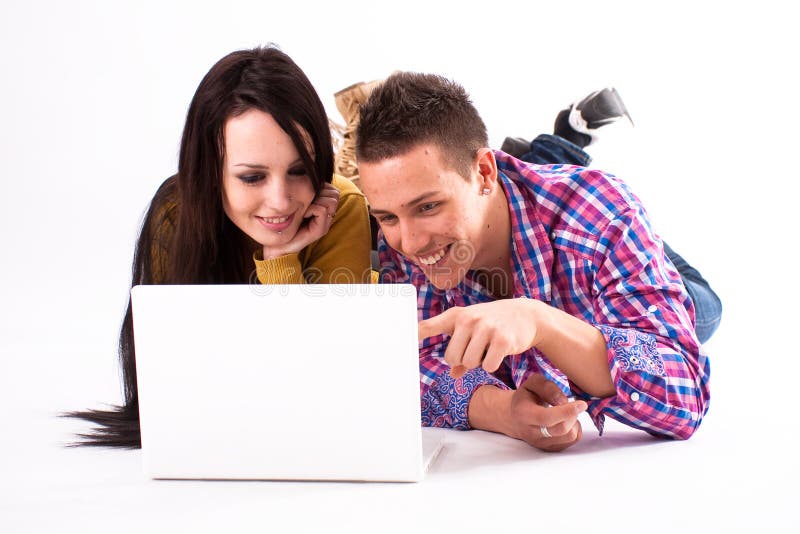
(446, 401)
(632, 351)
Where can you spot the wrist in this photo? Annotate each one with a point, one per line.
(490, 409)
(541, 317)
(270, 253)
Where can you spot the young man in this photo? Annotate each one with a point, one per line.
(535, 282)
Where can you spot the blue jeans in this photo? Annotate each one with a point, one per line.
(547, 149)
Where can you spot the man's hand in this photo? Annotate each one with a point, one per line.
(483, 334)
(539, 404)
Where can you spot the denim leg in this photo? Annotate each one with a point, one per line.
(707, 305)
(547, 149)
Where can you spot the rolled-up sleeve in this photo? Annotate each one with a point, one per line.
(641, 307)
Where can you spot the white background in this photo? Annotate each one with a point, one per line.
(92, 103)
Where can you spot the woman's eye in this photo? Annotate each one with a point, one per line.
(298, 171)
(251, 178)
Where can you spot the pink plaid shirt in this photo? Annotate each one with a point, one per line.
(582, 242)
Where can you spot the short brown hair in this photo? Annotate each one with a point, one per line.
(410, 108)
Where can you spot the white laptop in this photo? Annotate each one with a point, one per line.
(282, 382)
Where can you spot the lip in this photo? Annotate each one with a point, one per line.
(446, 248)
(276, 227)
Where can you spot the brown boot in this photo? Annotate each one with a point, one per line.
(348, 102)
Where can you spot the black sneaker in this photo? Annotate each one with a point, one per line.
(516, 146)
(599, 109)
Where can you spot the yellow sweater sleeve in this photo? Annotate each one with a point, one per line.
(340, 256)
(281, 270)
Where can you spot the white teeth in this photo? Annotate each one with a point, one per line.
(430, 260)
(275, 220)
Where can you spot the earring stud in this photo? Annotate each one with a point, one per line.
(486, 191)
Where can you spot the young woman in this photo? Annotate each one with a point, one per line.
(254, 200)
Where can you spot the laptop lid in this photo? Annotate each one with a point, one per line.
(300, 382)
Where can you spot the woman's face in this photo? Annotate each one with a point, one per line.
(266, 188)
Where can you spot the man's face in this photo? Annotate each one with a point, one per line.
(428, 212)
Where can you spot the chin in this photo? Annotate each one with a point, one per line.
(272, 239)
(445, 282)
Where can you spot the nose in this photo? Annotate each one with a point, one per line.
(277, 195)
(412, 239)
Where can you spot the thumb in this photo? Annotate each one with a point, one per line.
(440, 324)
(546, 390)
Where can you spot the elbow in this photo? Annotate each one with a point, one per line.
(680, 422)
(690, 426)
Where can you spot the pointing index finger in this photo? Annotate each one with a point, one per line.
(440, 324)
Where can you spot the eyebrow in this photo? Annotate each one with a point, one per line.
(250, 165)
(259, 166)
(410, 204)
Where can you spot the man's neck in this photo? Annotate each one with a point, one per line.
(495, 271)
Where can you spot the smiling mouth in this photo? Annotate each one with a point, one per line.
(435, 258)
(276, 224)
(274, 220)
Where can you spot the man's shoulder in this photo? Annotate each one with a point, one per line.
(560, 188)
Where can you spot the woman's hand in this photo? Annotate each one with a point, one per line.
(317, 221)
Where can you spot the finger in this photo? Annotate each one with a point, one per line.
(475, 350)
(331, 194)
(458, 371)
(318, 221)
(528, 410)
(328, 189)
(329, 204)
(545, 389)
(328, 199)
(315, 210)
(494, 356)
(565, 413)
(439, 324)
(559, 443)
(559, 429)
(454, 353)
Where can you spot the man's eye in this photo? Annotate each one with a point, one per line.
(387, 219)
(428, 206)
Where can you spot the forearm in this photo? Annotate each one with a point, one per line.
(575, 347)
(490, 409)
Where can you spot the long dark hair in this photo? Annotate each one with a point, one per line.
(186, 238)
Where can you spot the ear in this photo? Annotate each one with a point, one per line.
(487, 169)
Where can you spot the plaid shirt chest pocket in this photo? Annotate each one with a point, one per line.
(574, 271)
